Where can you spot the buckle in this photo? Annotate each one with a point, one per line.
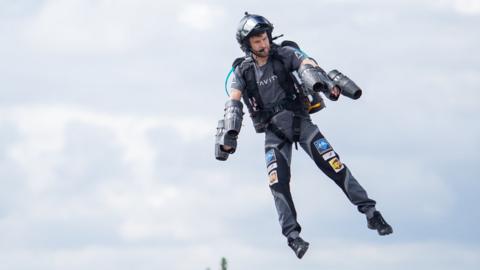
(277, 108)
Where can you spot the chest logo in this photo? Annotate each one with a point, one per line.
(267, 81)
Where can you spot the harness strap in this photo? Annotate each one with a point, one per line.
(275, 130)
(297, 121)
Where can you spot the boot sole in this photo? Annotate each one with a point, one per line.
(386, 231)
(382, 232)
(302, 251)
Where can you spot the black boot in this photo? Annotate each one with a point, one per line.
(299, 246)
(376, 222)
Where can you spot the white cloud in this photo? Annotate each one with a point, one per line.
(95, 26)
(184, 211)
(42, 130)
(467, 7)
(201, 16)
(139, 199)
(77, 26)
(464, 7)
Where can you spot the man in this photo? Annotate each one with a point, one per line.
(265, 82)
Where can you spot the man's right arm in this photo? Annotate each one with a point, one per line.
(235, 94)
(229, 126)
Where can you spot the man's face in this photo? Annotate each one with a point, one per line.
(260, 45)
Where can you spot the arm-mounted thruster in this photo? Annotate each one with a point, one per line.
(233, 117)
(315, 79)
(220, 154)
(228, 129)
(347, 86)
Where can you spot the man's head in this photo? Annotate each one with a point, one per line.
(260, 44)
(251, 33)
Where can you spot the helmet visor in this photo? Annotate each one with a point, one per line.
(255, 23)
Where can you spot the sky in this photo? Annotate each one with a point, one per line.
(108, 112)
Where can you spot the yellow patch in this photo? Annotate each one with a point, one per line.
(336, 164)
(273, 179)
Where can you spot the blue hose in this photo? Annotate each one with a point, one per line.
(226, 80)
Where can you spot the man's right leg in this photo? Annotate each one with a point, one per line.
(278, 168)
(278, 171)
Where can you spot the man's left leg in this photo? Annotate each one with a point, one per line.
(320, 150)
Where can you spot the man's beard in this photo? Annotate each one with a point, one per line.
(261, 53)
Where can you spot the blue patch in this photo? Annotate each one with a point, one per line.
(270, 156)
(322, 145)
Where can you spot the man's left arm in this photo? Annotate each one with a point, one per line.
(309, 63)
(312, 75)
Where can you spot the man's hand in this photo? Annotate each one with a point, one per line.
(226, 148)
(335, 91)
